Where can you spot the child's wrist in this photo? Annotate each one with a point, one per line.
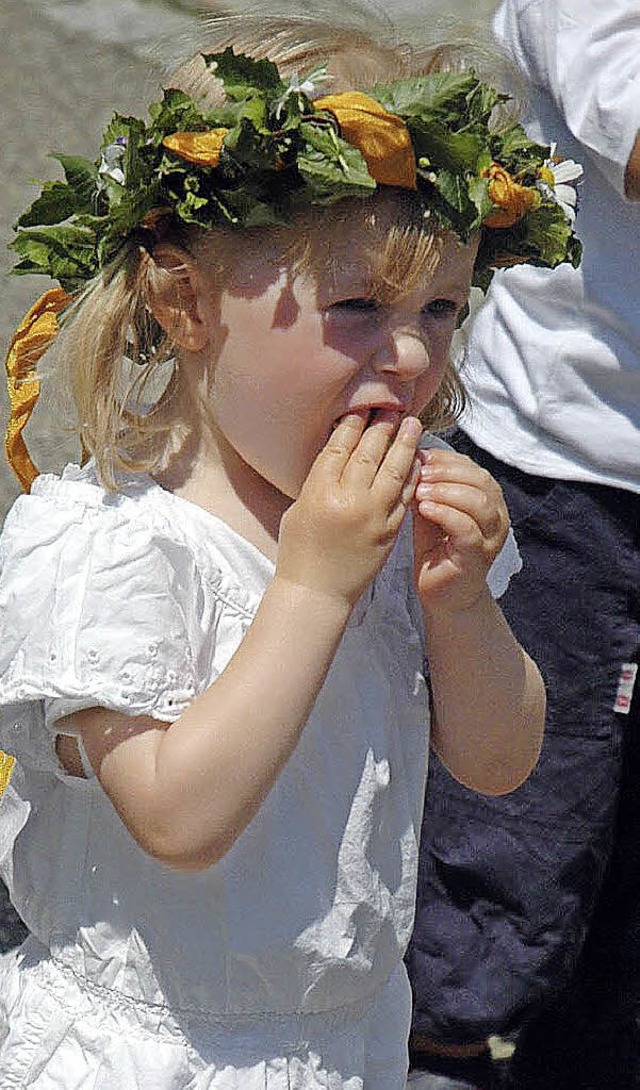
(455, 610)
(318, 601)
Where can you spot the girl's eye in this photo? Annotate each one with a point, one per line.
(442, 308)
(358, 305)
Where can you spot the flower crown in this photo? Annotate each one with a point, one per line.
(273, 147)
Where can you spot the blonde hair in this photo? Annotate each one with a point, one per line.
(132, 402)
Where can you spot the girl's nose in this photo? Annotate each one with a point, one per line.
(404, 353)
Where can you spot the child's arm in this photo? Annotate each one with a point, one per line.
(488, 695)
(186, 791)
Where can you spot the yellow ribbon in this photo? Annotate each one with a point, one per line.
(36, 332)
(383, 138)
(6, 768)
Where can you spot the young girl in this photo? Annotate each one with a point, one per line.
(222, 635)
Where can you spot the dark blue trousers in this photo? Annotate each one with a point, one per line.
(508, 887)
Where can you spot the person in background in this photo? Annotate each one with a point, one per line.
(529, 907)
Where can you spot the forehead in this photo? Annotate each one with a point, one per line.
(390, 247)
(384, 246)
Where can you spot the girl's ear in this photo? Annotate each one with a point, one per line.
(176, 297)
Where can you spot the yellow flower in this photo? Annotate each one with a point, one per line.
(381, 137)
(513, 200)
(202, 148)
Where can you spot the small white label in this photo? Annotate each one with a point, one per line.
(626, 682)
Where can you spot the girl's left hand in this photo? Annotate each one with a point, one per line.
(460, 525)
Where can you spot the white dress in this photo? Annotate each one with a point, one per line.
(279, 967)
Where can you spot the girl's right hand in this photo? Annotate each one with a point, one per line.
(187, 789)
(337, 535)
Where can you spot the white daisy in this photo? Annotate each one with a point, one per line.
(110, 164)
(555, 176)
(310, 87)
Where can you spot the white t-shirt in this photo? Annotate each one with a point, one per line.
(553, 360)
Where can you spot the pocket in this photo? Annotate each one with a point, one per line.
(527, 496)
(535, 501)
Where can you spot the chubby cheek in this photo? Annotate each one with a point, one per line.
(428, 386)
(269, 434)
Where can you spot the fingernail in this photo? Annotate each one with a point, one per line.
(410, 427)
(349, 418)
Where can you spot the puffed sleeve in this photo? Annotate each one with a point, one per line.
(94, 610)
(586, 55)
(507, 563)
